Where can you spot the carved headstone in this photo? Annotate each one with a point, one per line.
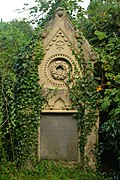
(59, 62)
(57, 66)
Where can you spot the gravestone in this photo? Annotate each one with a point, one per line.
(58, 134)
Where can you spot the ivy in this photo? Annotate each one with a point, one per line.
(20, 99)
(29, 101)
(84, 97)
(103, 18)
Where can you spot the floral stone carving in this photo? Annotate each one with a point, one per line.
(59, 70)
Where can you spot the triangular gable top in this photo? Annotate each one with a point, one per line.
(54, 38)
(60, 63)
(61, 23)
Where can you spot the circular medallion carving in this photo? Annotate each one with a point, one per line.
(57, 69)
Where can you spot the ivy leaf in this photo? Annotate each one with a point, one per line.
(118, 78)
(101, 35)
(117, 111)
(106, 103)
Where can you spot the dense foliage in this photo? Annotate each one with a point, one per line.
(103, 25)
(47, 170)
(12, 39)
(20, 94)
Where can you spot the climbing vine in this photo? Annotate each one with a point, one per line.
(11, 40)
(21, 104)
(84, 98)
(29, 101)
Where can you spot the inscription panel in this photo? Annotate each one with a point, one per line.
(59, 137)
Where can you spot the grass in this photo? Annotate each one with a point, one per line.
(47, 170)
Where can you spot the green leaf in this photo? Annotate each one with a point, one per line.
(117, 111)
(101, 35)
(106, 103)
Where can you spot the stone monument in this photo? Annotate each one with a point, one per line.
(58, 133)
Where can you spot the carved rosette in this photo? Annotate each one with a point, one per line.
(57, 69)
